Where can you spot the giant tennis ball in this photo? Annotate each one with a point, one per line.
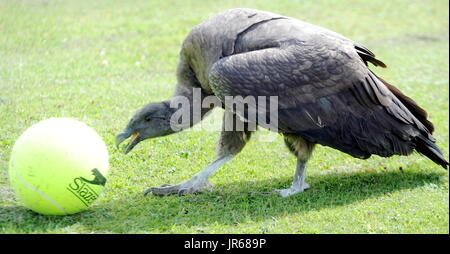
(58, 166)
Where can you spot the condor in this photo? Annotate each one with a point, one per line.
(326, 94)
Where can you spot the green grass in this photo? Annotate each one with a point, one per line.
(98, 61)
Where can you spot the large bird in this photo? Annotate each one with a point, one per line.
(325, 92)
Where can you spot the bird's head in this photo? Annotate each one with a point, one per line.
(152, 120)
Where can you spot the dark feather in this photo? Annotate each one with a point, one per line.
(430, 150)
(415, 109)
(367, 56)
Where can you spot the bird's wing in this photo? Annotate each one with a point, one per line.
(325, 93)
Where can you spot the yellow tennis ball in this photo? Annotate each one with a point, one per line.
(58, 166)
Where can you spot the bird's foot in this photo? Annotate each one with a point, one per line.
(292, 190)
(190, 186)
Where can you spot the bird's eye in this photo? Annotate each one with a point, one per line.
(148, 118)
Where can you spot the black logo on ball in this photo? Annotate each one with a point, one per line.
(81, 189)
(99, 179)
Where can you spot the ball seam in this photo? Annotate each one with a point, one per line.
(36, 190)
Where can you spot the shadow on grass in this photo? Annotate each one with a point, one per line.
(229, 204)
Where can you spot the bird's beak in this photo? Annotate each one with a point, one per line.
(135, 139)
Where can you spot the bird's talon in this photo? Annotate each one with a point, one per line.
(183, 188)
(209, 187)
(182, 192)
(165, 190)
(146, 192)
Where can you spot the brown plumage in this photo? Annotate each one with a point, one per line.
(415, 109)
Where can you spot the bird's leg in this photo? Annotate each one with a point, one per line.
(231, 143)
(302, 149)
(299, 184)
(197, 183)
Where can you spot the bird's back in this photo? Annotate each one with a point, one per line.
(242, 30)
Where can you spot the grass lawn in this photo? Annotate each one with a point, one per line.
(99, 61)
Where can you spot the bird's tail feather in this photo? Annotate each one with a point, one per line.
(424, 141)
(412, 106)
(430, 150)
